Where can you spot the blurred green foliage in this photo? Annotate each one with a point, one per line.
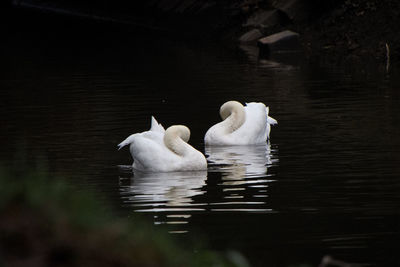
(44, 221)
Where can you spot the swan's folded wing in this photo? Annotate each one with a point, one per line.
(155, 126)
(145, 149)
(127, 141)
(156, 136)
(150, 154)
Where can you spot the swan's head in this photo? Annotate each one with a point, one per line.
(178, 131)
(229, 107)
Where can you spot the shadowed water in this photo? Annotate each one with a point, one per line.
(328, 182)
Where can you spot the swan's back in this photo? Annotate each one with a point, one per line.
(153, 133)
(153, 155)
(159, 150)
(149, 152)
(254, 130)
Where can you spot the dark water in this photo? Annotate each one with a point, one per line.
(328, 183)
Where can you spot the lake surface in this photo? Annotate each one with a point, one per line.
(328, 183)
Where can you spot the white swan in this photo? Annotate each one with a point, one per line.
(241, 125)
(159, 150)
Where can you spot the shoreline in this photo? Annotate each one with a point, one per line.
(346, 30)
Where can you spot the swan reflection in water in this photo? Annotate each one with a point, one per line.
(168, 195)
(240, 162)
(244, 175)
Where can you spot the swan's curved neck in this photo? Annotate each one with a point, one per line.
(233, 114)
(176, 138)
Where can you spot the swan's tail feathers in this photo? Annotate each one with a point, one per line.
(155, 126)
(271, 120)
(126, 142)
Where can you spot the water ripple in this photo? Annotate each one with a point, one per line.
(242, 177)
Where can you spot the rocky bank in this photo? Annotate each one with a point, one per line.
(348, 29)
(344, 28)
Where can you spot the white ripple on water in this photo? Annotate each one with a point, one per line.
(169, 194)
(174, 196)
(244, 176)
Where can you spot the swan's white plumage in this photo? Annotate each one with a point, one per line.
(156, 132)
(155, 126)
(159, 150)
(252, 128)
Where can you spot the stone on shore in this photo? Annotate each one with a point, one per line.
(286, 40)
(251, 36)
